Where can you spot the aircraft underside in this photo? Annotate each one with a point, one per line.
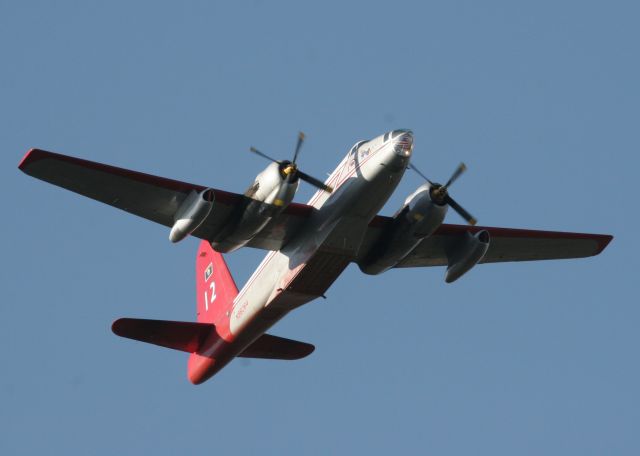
(309, 245)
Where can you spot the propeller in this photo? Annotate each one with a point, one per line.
(440, 193)
(289, 169)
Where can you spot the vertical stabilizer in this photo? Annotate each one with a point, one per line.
(215, 288)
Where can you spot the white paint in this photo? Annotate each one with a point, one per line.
(361, 191)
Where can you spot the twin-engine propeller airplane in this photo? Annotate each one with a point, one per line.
(310, 244)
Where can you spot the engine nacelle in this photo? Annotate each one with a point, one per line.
(466, 254)
(192, 212)
(270, 194)
(418, 218)
(271, 188)
(424, 214)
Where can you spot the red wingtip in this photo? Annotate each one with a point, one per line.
(28, 157)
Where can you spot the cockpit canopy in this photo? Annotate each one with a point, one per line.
(355, 147)
(395, 134)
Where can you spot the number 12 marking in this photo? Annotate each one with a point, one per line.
(212, 286)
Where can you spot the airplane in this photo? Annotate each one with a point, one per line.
(309, 245)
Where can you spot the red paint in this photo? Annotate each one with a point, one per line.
(215, 288)
(198, 368)
(207, 339)
(215, 293)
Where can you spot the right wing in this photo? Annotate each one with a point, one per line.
(506, 244)
(155, 198)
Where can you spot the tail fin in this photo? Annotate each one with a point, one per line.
(215, 288)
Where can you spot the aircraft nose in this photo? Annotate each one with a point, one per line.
(403, 142)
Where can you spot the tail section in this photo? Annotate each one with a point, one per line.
(209, 340)
(196, 337)
(204, 344)
(215, 288)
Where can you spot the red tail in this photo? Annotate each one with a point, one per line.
(215, 288)
(208, 339)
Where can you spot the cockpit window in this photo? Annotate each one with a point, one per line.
(386, 136)
(397, 133)
(354, 149)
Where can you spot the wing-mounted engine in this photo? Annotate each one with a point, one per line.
(466, 253)
(191, 213)
(273, 187)
(422, 213)
(271, 193)
(418, 218)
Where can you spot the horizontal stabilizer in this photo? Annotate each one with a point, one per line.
(274, 347)
(190, 337)
(178, 335)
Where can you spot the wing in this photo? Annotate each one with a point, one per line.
(154, 198)
(506, 244)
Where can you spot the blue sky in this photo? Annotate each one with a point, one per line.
(540, 99)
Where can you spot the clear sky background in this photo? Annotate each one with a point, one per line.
(540, 99)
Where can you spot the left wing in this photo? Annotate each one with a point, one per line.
(154, 198)
(506, 244)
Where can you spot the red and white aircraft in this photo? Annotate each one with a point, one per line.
(310, 244)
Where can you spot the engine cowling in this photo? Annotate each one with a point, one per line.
(418, 218)
(269, 195)
(422, 210)
(466, 254)
(191, 213)
(271, 187)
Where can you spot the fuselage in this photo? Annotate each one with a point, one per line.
(307, 266)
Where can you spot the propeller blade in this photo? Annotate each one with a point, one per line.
(263, 155)
(298, 146)
(460, 210)
(456, 174)
(413, 167)
(289, 169)
(315, 182)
